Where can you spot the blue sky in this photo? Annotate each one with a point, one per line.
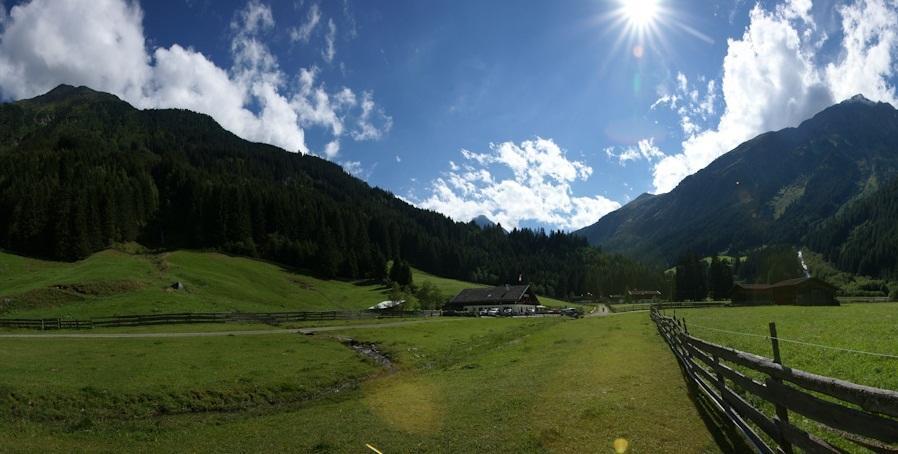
(534, 113)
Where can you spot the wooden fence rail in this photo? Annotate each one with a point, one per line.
(272, 318)
(863, 416)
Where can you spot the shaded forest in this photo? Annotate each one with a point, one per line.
(81, 170)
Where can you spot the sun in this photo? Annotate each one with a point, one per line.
(639, 14)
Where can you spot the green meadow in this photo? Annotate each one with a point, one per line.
(485, 385)
(827, 341)
(455, 384)
(863, 327)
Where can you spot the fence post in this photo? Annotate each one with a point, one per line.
(782, 414)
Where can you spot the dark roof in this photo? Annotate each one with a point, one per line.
(644, 292)
(786, 283)
(491, 295)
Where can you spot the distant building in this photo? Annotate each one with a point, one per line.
(387, 305)
(805, 291)
(643, 296)
(519, 298)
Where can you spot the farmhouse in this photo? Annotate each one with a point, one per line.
(643, 296)
(805, 291)
(519, 298)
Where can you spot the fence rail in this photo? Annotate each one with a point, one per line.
(861, 415)
(272, 318)
(633, 307)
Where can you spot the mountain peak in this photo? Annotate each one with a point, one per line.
(483, 221)
(64, 92)
(859, 99)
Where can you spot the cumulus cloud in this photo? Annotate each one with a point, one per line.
(332, 148)
(538, 188)
(97, 43)
(304, 32)
(870, 41)
(101, 44)
(772, 79)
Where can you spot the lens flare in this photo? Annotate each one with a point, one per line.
(620, 445)
(640, 13)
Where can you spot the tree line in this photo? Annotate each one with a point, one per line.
(96, 172)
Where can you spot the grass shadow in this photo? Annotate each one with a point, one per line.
(728, 438)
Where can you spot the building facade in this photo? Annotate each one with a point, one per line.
(805, 291)
(520, 298)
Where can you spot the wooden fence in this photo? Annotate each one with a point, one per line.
(863, 416)
(271, 318)
(633, 307)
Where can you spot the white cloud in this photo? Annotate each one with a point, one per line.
(870, 40)
(98, 43)
(771, 79)
(539, 188)
(332, 148)
(367, 125)
(353, 168)
(101, 44)
(356, 169)
(330, 48)
(644, 149)
(254, 18)
(304, 32)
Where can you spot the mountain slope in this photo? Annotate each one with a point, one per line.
(81, 170)
(775, 188)
(863, 237)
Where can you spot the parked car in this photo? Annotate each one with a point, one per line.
(571, 312)
(508, 312)
(483, 312)
(493, 312)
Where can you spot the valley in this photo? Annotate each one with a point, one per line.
(113, 211)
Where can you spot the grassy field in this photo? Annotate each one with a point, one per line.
(862, 327)
(119, 283)
(865, 327)
(486, 385)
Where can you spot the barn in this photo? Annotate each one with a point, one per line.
(805, 291)
(520, 298)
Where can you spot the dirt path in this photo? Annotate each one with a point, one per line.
(601, 311)
(259, 332)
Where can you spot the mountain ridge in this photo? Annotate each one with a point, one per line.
(774, 188)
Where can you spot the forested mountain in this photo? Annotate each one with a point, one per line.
(80, 170)
(829, 184)
(863, 237)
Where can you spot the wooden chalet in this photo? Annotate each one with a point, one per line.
(520, 298)
(805, 291)
(643, 296)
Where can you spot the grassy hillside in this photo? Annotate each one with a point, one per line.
(113, 282)
(466, 385)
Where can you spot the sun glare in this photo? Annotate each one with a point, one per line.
(640, 13)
